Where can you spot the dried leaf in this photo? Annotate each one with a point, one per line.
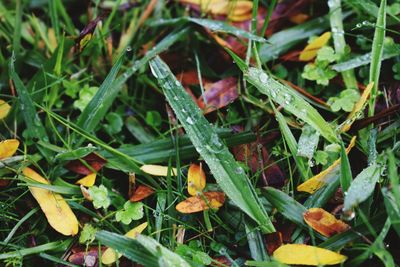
(158, 170)
(88, 180)
(274, 241)
(57, 211)
(196, 204)
(86, 34)
(196, 179)
(299, 18)
(323, 222)
(8, 148)
(93, 160)
(358, 107)
(319, 180)
(141, 193)
(218, 94)
(4, 109)
(88, 257)
(110, 256)
(307, 255)
(310, 51)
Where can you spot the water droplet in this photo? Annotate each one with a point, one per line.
(263, 77)
(365, 22)
(177, 83)
(239, 170)
(358, 25)
(348, 215)
(128, 49)
(189, 120)
(311, 162)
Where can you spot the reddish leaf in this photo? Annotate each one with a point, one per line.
(4, 182)
(141, 193)
(274, 241)
(324, 222)
(218, 94)
(93, 160)
(85, 258)
(196, 204)
(87, 33)
(222, 262)
(190, 77)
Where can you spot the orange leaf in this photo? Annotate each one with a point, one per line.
(8, 148)
(311, 50)
(141, 193)
(57, 211)
(4, 109)
(323, 222)
(307, 255)
(196, 204)
(322, 178)
(196, 179)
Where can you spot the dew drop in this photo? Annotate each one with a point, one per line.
(128, 49)
(263, 77)
(189, 120)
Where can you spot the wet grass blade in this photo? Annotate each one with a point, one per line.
(290, 100)
(346, 176)
(227, 172)
(392, 208)
(29, 251)
(213, 25)
(33, 123)
(377, 50)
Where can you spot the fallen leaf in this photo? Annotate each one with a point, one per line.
(141, 193)
(158, 170)
(197, 203)
(86, 34)
(57, 211)
(88, 180)
(358, 107)
(301, 254)
(319, 180)
(4, 109)
(196, 179)
(323, 222)
(87, 257)
(218, 94)
(299, 18)
(273, 241)
(8, 148)
(93, 160)
(310, 51)
(110, 256)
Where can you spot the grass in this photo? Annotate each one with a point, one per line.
(111, 86)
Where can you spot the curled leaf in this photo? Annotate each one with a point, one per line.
(8, 148)
(158, 170)
(141, 193)
(322, 178)
(307, 255)
(324, 222)
(358, 107)
(310, 51)
(196, 179)
(4, 109)
(88, 180)
(57, 211)
(196, 204)
(110, 256)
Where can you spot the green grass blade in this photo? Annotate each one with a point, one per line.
(392, 209)
(286, 205)
(336, 20)
(29, 251)
(128, 247)
(33, 123)
(291, 101)
(227, 172)
(346, 176)
(323, 195)
(361, 187)
(102, 100)
(54, 18)
(17, 27)
(256, 243)
(377, 50)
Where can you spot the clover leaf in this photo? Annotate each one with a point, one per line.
(131, 211)
(319, 72)
(87, 234)
(344, 101)
(99, 195)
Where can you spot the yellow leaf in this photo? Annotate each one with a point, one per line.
(158, 170)
(57, 211)
(110, 256)
(323, 222)
(196, 179)
(4, 109)
(307, 255)
(358, 107)
(319, 180)
(196, 204)
(310, 51)
(8, 148)
(88, 180)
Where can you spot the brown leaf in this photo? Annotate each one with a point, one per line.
(190, 77)
(274, 241)
(222, 262)
(93, 160)
(196, 204)
(141, 193)
(218, 94)
(86, 258)
(324, 222)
